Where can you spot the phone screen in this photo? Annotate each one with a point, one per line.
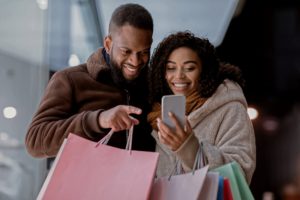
(176, 105)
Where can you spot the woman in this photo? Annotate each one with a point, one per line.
(216, 108)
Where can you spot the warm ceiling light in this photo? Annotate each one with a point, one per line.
(9, 112)
(43, 4)
(270, 124)
(73, 60)
(252, 112)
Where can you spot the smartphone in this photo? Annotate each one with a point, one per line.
(176, 105)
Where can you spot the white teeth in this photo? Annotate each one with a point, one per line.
(180, 85)
(131, 69)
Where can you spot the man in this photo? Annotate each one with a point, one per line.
(107, 92)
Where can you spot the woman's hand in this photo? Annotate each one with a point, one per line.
(173, 138)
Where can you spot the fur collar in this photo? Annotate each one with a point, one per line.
(97, 63)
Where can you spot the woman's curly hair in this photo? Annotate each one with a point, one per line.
(213, 71)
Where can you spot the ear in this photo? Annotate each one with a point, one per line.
(107, 44)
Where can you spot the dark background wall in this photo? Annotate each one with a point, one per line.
(264, 41)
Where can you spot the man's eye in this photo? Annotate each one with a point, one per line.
(125, 52)
(145, 53)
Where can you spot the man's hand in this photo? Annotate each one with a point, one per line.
(118, 118)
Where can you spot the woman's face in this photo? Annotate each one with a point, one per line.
(183, 70)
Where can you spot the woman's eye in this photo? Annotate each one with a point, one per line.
(188, 69)
(170, 68)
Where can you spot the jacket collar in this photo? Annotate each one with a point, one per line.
(98, 62)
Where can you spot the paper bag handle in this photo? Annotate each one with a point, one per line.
(106, 138)
(200, 160)
(198, 163)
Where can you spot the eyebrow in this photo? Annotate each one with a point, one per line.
(186, 62)
(123, 47)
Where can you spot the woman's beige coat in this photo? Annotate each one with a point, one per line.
(225, 130)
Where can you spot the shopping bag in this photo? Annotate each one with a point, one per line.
(89, 170)
(220, 195)
(210, 186)
(178, 187)
(227, 194)
(238, 184)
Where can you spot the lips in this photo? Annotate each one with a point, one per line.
(180, 85)
(130, 71)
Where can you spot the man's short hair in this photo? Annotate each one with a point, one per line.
(131, 14)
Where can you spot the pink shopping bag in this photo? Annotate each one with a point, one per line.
(89, 170)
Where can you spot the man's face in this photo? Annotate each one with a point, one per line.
(129, 50)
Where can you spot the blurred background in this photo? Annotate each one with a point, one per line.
(262, 37)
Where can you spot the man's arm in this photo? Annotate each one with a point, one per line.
(56, 117)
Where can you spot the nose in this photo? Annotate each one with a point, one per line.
(180, 73)
(134, 59)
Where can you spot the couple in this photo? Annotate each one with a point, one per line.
(116, 89)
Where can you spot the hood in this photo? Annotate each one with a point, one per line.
(227, 92)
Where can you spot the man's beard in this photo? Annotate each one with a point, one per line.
(118, 77)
